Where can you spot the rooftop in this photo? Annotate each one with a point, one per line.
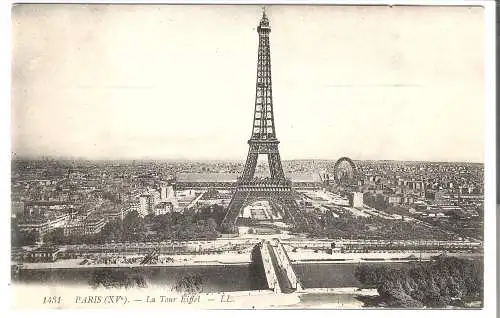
(162, 205)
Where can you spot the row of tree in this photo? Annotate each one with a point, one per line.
(186, 226)
(442, 282)
(23, 238)
(376, 201)
(348, 226)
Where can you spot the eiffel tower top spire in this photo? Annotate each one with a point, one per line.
(264, 21)
(263, 129)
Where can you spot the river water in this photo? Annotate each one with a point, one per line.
(215, 278)
(324, 275)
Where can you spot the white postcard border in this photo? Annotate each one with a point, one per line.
(490, 173)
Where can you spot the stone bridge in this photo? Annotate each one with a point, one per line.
(280, 275)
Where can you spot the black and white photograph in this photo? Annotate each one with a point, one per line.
(251, 156)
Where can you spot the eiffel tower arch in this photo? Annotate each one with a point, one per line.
(276, 189)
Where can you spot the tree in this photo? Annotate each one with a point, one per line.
(133, 227)
(112, 231)
(23, 238)
(112, 278)
(191, 284)
(433, 284)
(55, 237)
(215, 212)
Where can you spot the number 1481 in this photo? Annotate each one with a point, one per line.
(52, 299)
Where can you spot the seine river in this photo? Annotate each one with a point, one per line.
(323, 275)
(215, 278)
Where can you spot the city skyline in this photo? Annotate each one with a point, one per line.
(236, 160)
(71, 78)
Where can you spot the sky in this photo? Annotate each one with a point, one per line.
(178, 81)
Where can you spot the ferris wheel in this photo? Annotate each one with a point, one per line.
(345, 172)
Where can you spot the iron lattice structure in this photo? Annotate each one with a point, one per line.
(276, 189)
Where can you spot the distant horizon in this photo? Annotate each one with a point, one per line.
(242, 160)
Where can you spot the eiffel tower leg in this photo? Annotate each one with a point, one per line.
(275, 167)
(250, 164)
(238, 202)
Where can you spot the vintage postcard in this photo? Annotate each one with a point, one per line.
(275, 156)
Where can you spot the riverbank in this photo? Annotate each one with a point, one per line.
(342, 290)
(228, 259)
(174, 261)
(309, 256)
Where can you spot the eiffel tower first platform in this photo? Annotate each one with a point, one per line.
(276, 189)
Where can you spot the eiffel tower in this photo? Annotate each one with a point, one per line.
(276, 189)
